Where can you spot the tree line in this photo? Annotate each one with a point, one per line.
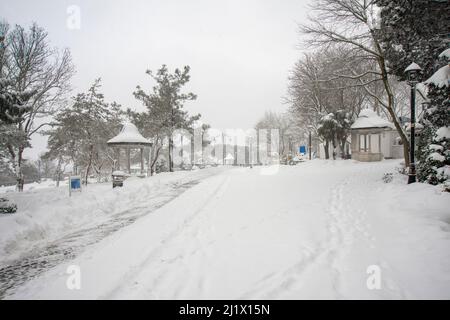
(34, 89)
(356, 54)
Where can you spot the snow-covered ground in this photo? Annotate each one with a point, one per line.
(51, 228)
(292, 232)
(46, 213)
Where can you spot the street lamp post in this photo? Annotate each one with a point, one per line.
(310, 144)
(310, 128)
(412, 72)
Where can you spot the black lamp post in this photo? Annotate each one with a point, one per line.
(310, 128)
(412, 71)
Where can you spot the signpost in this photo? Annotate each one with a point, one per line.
(74, 184)
(302, 150)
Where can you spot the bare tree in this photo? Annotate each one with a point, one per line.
(353, 24)
(315, 92)
(33, 66)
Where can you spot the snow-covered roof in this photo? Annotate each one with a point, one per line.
(369, 119)
(441, 77)
(445, 53)
(229, 157)
(129, 135)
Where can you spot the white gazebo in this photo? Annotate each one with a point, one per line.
(371, 137)
(129, 138)
(229, 159)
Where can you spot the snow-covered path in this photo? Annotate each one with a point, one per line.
(307, 231)
(63, 234)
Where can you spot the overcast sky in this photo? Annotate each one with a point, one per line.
(240, 51)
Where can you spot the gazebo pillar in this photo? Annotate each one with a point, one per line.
(142, 161)
(117, 164)
(129, 160)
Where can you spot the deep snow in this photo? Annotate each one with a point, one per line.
(293, 232)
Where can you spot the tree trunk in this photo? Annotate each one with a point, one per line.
(58, 172)
(343, 152)
(153, 161)
(192, 150)
(390, 107)
(18, 169)
(327, 151)
(88, 167)
(170, 154)
(333, 142)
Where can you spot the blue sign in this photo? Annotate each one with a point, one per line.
(302, 149)
(74, 184)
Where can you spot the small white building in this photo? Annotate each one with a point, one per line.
(374, 138)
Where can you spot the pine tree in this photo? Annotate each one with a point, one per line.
(327, 130)
(166, 101)
(434, 143)
(81, 130)
(413, 30)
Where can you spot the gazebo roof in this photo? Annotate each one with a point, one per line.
(369, 119)
(129, 135)
(229, 157)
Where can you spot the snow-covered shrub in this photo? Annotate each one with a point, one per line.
(401, 169)
(7, 206)
(446, 186)
(388, 177)
(434, 144)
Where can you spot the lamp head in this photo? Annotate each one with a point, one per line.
(412, 73)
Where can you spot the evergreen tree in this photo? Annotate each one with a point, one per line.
(413, 30)
(434, 143)
(344, 120)
(327, 131)
(165, 103)
(81, 130)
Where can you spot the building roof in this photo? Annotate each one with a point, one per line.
(129, 135)
(369, 119)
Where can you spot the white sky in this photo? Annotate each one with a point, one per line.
(240, 52)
